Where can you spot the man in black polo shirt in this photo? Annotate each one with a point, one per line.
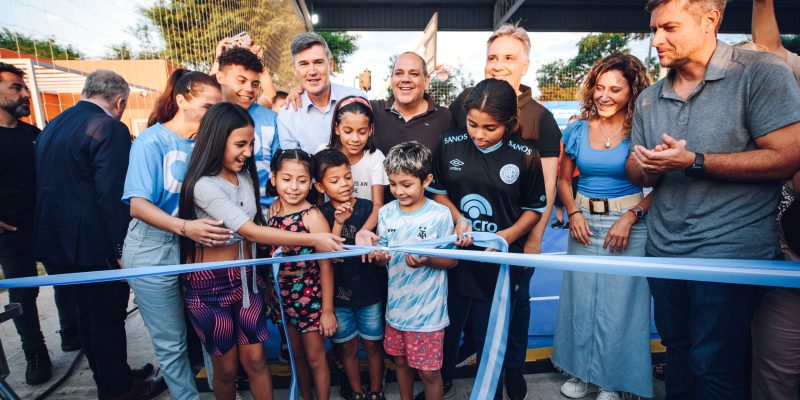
(17, 203)
(409, 113)
(507, 53)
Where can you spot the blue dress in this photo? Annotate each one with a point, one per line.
(602, 332)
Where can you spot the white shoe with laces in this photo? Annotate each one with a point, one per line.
(575, 388)
(609, 395)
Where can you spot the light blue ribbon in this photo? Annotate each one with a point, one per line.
(751, 272)
(294, 387)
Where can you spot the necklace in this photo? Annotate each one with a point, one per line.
(607, 143)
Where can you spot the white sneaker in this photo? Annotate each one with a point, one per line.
(609, 395)
(575, 388)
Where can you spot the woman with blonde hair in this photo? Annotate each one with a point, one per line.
(602, 336)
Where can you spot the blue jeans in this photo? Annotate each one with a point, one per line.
(161, 304)
(706, 329)
(366, 322)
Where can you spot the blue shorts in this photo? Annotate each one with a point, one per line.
(366, 322)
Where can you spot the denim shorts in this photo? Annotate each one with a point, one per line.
(365, 322)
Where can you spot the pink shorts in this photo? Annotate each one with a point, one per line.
(422, 350)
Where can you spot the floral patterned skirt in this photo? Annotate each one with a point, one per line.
(302, 300)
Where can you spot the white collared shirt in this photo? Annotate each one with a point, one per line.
(309, 127)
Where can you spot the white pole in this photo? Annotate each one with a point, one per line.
(34, 89)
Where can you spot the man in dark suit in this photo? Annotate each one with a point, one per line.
(81, 161)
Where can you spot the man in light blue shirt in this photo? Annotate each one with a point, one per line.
(310, 126)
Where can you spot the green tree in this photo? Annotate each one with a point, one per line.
(148, 49)
(191, 29)
(445, 91)
(561, 79)
(120, 51)
(442, 91)
(46, 47)
(342, 45)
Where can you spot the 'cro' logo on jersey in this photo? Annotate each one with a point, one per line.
(476, 206)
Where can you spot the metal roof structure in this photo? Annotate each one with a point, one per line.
(535, 15)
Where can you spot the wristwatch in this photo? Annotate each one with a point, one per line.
(639, 212)
(698, 167)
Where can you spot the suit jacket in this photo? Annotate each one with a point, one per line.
(81, 161)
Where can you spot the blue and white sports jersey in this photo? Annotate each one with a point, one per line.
(417, 296)
(158, 161)
(266, 132)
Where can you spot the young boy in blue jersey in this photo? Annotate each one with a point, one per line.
(239, 75)
(357, 285)
(416, 310)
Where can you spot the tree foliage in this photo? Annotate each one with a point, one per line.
(120, 51)
(442, 91)
(191, 29)
(561, 79)
(46, 47)
(147, 47)
(342, 45)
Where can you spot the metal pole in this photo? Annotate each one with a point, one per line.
(37, 100)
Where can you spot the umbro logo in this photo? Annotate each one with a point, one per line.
(456, 163)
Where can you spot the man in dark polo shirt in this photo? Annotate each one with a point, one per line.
(716, 136)
(507, 52)
(17, 206)
(409, 113)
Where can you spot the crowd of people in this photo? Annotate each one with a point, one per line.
(216, 176)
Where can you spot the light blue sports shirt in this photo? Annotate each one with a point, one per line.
(158, 161)
(417, 296)
(267, 142)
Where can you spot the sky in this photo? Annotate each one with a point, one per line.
(92, 26)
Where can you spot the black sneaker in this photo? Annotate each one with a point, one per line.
(376, 396)
(516, 387)
(447, 389)
(357, 396)
(566, 226)
(70, 341)
(344, 386)
(466, 355)
(557, 224)
(39, 368)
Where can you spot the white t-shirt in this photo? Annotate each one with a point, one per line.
(367, 172)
